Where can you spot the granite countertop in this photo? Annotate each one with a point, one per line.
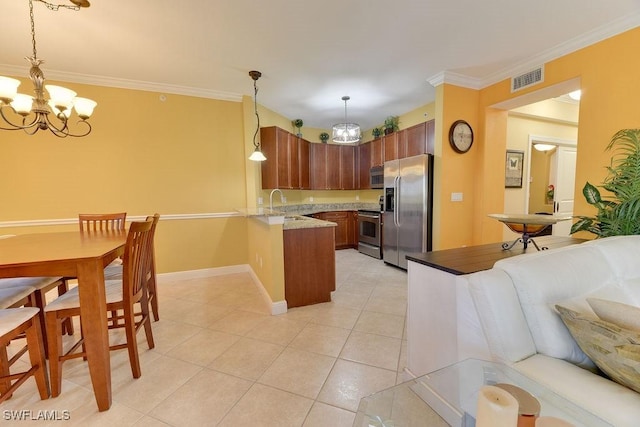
(292, 216)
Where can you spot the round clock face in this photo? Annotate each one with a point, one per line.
(460, 136)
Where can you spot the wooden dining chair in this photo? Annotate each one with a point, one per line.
(102, 222)
(114, 272)
(15, 323)
(121, 296)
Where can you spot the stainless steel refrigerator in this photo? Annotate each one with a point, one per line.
(408, 200)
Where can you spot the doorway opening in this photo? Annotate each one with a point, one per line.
(544, 117)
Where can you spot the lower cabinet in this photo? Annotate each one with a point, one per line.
(346, 231)
(309, 265)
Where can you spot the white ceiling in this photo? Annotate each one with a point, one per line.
(382, 53)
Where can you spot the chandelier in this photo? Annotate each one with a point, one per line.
(346, 133)
(34, 113)
(257, 155)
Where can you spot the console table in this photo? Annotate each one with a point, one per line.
(432, 283)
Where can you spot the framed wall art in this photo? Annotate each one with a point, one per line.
(513, 169)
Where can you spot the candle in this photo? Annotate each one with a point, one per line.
(496, 408)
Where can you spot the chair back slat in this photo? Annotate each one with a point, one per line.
(102, 222)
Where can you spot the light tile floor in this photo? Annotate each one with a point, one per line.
(221, 359)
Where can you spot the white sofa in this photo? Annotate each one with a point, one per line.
(507, 314)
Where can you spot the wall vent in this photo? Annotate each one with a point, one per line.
(527, 79)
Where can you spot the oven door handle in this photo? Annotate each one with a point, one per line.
(370, 216)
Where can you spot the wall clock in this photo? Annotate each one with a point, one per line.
(460, 136)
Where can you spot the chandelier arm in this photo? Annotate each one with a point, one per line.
(14, 126)
(64, 131)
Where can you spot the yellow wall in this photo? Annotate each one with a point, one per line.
(266, 256)
(184, 155)
(610, 89)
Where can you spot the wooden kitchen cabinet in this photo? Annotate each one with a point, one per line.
(346, 235)
(309, 265)
(304, 163)
(332, 167)
(415, 140)
(390, 144)
(347, 167)
(363, 161)
(377, 152)
(282, 167)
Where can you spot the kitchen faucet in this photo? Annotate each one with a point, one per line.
(271, 197)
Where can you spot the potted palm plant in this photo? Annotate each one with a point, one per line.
(619, 212)
(376, 132)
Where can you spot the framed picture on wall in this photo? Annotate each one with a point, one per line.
(513, 169)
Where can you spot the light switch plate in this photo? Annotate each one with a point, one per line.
(456, 197)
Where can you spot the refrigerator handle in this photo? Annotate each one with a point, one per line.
(395, 194)
(398, 201)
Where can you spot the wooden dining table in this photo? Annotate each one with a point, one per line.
(73, 254)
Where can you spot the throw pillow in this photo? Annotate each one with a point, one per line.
(624, 315)
(615, 350)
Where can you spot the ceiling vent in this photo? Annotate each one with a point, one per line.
(527, 79)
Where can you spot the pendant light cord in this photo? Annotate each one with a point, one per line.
(255, 105)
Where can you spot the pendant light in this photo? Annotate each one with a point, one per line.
(257, 155)
(346, 133)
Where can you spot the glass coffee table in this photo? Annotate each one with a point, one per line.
(448, 397)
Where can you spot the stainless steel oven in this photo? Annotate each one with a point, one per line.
(369, 233)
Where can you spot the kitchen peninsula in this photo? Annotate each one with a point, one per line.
(294, 257)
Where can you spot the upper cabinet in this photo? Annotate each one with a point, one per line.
(332, 167)
(287, 164)
(294, 163)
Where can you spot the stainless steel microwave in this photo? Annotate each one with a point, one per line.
(376, 177)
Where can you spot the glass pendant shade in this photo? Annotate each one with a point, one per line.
(60, 97)
(257, 156)
(84, 107)
(8, 89)
(346, 133)
(22, 104)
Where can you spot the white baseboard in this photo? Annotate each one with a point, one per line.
(278, 307)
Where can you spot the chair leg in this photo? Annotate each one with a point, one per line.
(67, 326)
(5, 383)
(37, 357)
(54, 332)
(153, 297)
(132, 342)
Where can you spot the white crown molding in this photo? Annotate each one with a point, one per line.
(64, 76)
(596, 35)
(611, 29)
(456, 79)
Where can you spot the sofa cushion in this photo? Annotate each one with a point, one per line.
(623, 315)
(612, 402)
(503, 322)
(545, 278)
(615, 350)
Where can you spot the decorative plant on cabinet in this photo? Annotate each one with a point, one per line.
(298, 123)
